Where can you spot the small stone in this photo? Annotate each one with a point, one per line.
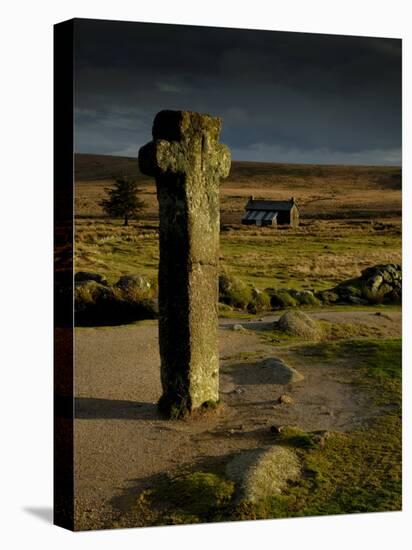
(285, 399)
(298, 323)
(133, 282)
(375, 282)
(276, 429)
(262, 473)
(239, 428)
(282, 373)
(237, 327)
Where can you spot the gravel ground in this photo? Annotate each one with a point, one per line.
(121, 442)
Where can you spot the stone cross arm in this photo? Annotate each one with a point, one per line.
(185, 143)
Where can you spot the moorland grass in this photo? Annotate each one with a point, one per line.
(317, 256)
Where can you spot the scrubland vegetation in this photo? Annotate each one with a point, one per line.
(350, 219)
(318, 256)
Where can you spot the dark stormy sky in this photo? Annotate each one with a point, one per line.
(283, 97)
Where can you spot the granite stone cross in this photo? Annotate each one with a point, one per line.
(188, 162)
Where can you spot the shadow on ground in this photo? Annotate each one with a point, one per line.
(126, 500)
(92, 408)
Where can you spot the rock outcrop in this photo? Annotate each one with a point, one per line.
(377, 284)
(297, 323)
(261, 473)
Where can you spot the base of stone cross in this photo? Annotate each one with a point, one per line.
(170, 408)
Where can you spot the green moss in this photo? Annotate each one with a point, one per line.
(224, 309)
(349, 472)
(281, 299)
(296, 437)
(377, 363)
(190, 498)
(327, 297)
(202, 494)
(381, 358)
(260, 302)
(358, 472)
(234, 292)
(342, 331)
(279, 337)
(230, 314)
(103, 304)
(307, 299)
(374, 296)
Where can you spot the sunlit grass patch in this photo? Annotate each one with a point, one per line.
(350, 472)
(318, 256)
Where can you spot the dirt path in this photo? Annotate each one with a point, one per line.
(121, 442)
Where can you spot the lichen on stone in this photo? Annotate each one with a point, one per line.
(188, 162)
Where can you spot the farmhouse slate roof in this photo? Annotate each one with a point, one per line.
(273, 206)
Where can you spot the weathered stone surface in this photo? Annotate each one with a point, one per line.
(285, 399)
(297, 323)
(93, 288)
(306, 297)
(188, 162)
(379, 283)
(327, 296)
(281, 372)
(133, 281)
(262, 473)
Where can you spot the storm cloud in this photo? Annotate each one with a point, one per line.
(283, 97)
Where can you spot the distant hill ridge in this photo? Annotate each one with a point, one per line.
(97, 167)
